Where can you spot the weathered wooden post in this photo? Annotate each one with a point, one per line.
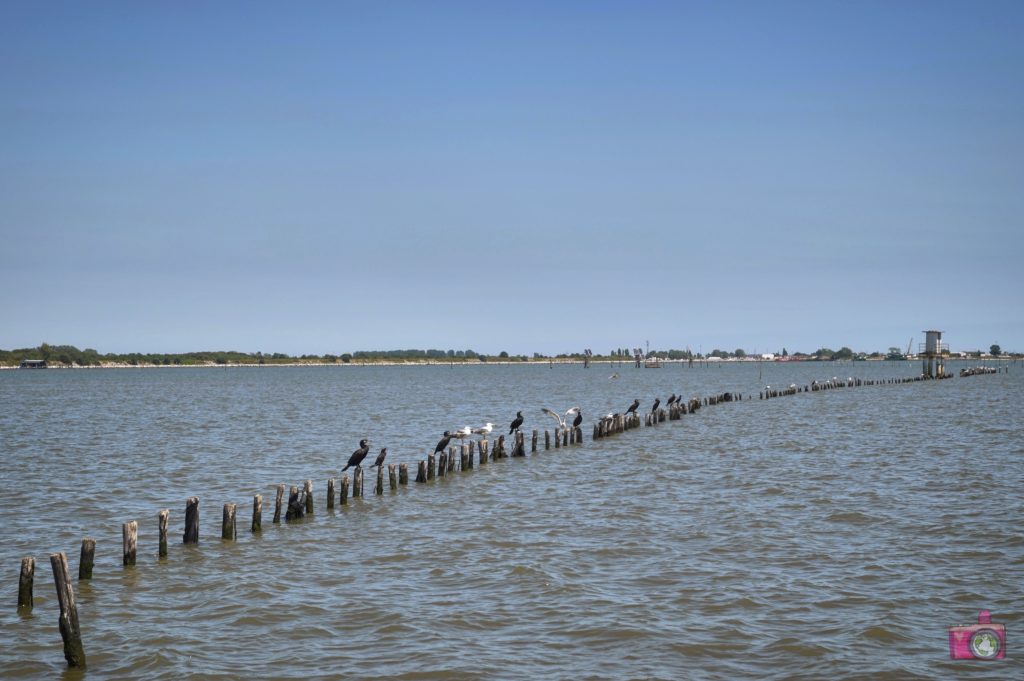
(129, 542)
(25, 580)
(227, 523)
(442, 464)
(294, 507)
(74, 653)
(191, 521)
(451, 459)
(257, 513)
(499, 449)
(547, 439)
(357, 483)
(471, 452)
(558, 438)
(309, 497)
(565, 437)
(392, 477)
(277, 503)
(330, 493)
(533, 442)
(344, 490)
(87, 557)
(379, 487)
(421, 472)
(161, 521)
(403, 474)
(467, 456)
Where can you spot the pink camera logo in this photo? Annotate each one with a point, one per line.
(985, 640)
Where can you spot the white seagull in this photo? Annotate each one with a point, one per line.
(560, 419)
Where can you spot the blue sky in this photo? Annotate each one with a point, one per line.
(529, 177)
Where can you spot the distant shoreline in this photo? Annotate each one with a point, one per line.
(464, 363)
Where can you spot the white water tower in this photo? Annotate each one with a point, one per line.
(931, 353)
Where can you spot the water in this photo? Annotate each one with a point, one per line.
(824, 535)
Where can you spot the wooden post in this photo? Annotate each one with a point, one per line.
(533, 441)
(25, 580)
(294, 507)
(161, 519)
(87, 557)
(442, 464)
(344, 490)
(467, 455)
(579, 435)
(565, 437)
(403, 474)
(499, 449)
(471, 447)
(74, 653)
(309, 497)
(392, 477)
(484, 444)
(357, 483)
(379, 488)
(257, 512)
(431, 465)
(330, 493)
(558, 438)
(227, 525)
(191, 521)
(421, 472)
(277, 503)
(129, 541)
(463, 458)
(547, 439)
(451, 459)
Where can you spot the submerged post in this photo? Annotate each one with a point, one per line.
(533, 441)
(277, 503)
(309, 497)
(227, 525)
(257, 513)
(129, 541)
(421, 472)
(357, 483)
(330, 493)
(191, 521)
(344, 490)
(25, 581)
(161, 521)
(74, 653)
(392, 479)
(403, 474)
(87, 557)
(379, 487)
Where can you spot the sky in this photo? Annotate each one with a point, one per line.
(326, 177)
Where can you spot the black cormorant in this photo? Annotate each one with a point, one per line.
(358, 455)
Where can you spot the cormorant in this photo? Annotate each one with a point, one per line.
(443, 443)
(380, 458)
(633, 407)
(514, 426)
(358, 455)
(657, 401)
(671, 400)
(579, 418)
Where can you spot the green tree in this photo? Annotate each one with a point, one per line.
(503, 354)
(740, 352)
(995, 350)
(843, 353)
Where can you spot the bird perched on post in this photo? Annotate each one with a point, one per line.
(579, 418)
(657, 401)
(463, 433)
(380, 458)
(633, 407)
(671, 400)
(358, 455)
(484, 429)
(516, 423)
(443, 442)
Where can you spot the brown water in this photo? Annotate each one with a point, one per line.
(825, 535)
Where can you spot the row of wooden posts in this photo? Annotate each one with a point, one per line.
(300, 501)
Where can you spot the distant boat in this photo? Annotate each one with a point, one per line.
(652, 363)
(33, 364)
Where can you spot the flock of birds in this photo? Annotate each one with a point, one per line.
(563, 421)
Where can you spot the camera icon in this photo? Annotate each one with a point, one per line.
(985, 640)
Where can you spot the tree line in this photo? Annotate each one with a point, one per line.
(69, 355)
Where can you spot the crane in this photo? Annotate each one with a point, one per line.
(908, 346)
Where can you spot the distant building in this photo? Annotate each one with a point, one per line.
(33, 364)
